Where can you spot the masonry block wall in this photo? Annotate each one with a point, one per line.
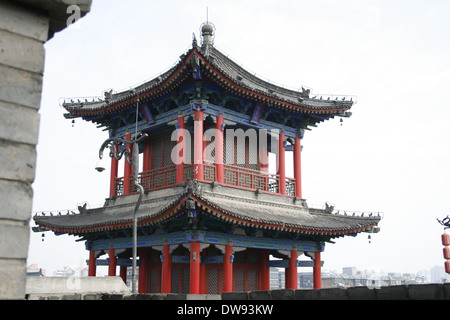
(24, 28)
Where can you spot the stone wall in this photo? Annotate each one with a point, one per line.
(24, 28)
(405, 292)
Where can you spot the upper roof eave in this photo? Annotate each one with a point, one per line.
(226, 73)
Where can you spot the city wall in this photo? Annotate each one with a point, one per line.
(25, 26)
(113, 288)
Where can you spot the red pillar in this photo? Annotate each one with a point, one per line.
(219, 148)
(123, 269)
(317, 273)
(265, 270)
(114, 173)
(264, 159)
(298, 167)
(147, 156)
(92, 264)
(281, 164)
(127, 170)
(112, 263)
(291, 271)
(166, 278)
(142, 287)
(198, 145)
(123, 273)
(181, 154)
(228, 269)
(194, 279)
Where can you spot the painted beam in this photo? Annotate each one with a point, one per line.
(206, 237)
(285, 263)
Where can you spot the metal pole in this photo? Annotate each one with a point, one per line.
(135, 171)
(136, 208)
(135, 164)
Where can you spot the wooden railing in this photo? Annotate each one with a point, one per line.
(250, 179)
(233, 176)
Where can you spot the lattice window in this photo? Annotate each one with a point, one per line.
(168, 145)
(186, 280)
(154, 281)
(156, 152)
(252, 280)
(162, 150)
(244, 155)
(213, 281)
(175, 282)
(239, 280)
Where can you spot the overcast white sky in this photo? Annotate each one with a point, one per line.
(392, 155)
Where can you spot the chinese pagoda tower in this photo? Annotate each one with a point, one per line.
(211, 213)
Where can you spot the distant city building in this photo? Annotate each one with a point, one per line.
(437, 274)
(65, 272)
(351, 277)
(34, 271)
(349, 271)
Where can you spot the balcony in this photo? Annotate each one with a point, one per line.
(234, 176)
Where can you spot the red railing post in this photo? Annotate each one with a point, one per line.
(298, 167)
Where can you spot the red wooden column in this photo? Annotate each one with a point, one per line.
(114, 173)
(181, 153)
(281, 164)
(194, 280)
(228, 269)
(317, 273)
(112, 263)
(265, 270)
(298, 167)
(198, 145)
(92, 264)
(291, 276)
(218, 148)
(142, 286)
(166, 278)
(127, 170)
(123, 269)
(147, 155)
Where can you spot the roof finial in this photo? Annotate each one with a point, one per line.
(207, 34)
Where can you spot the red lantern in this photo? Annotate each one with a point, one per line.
(447, 253)
(447, 266)
(446, 239)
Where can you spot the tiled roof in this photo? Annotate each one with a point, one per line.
(234, 206)
(219, 68)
